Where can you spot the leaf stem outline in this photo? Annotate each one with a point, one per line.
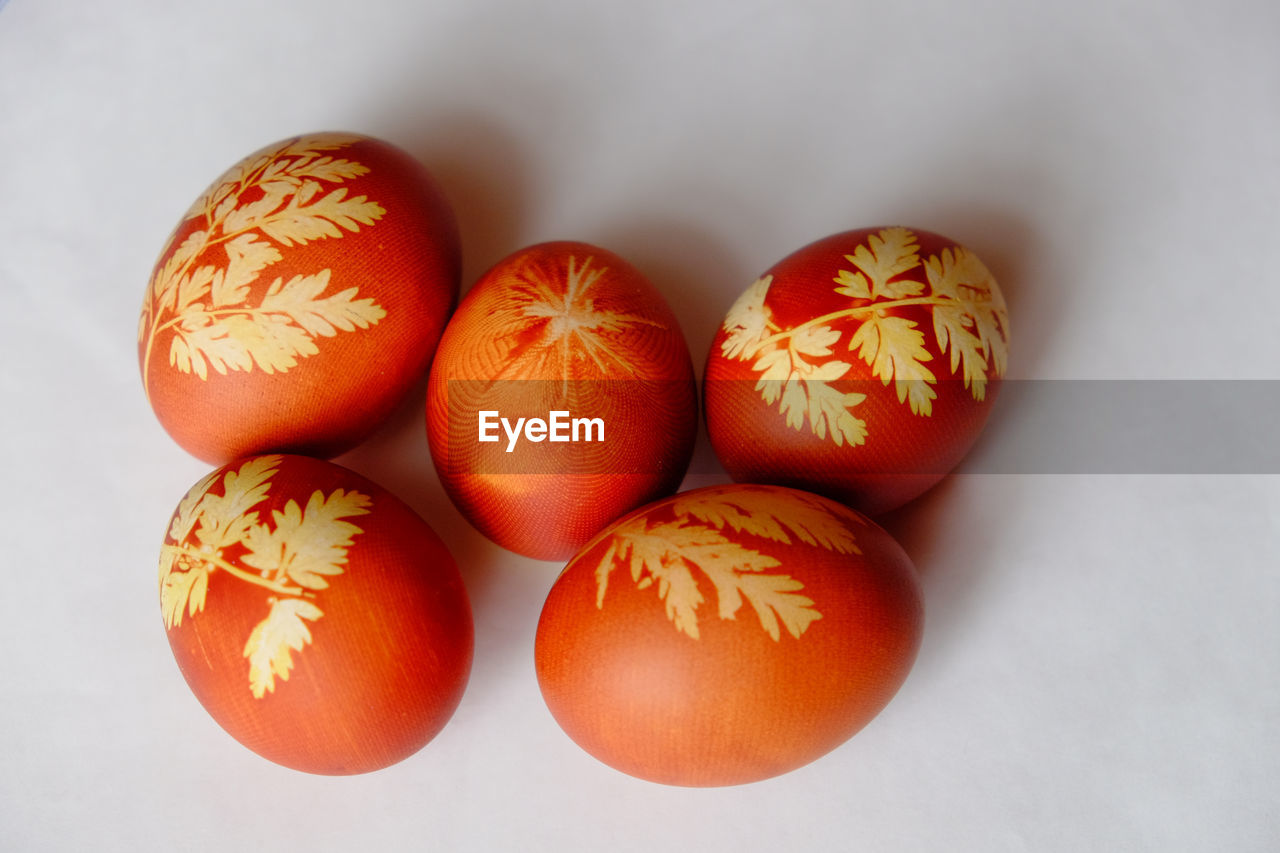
(274, 586)
(843, 313)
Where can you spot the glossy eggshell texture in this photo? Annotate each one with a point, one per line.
(567, 327)
(299, 299)
(862, 367)
(727, 635)
(316, 617)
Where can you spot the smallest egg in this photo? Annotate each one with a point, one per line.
(562, 396)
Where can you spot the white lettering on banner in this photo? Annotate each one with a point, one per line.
(559, 427)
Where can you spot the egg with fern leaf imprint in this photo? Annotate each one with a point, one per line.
(298, 300)
(862, 366)
(316, 617)
(727, 634)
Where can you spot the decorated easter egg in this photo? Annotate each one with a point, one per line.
(299, 299)
(727, 634)
(562, 396)
(316, 617)
(862, 367)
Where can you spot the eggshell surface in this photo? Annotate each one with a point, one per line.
(727, 634)
(316, 617)
(862, 366)
(571, 331)
(299, 299)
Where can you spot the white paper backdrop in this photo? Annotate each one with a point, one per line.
(1100, 662)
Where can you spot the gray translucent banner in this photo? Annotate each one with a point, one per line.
(1034, 427)
(1131, 427)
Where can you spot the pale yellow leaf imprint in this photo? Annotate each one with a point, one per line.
(794, 375)
(893, 347)
(886, 254)
(798, 378)
(753, 511)
(273, 637)
(206, 310)
(573, 327)
(666, 554)
(294, 554)
(969, 320)
(748, 322)
(308, 545)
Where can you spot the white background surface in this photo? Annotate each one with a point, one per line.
(1100, 661)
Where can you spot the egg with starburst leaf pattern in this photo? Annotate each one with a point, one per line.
(562, 396)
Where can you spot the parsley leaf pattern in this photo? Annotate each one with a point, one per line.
(971, 319)
(797, 367)
(666, 554)
(295, 554)
(798, 379)
(199, 299)
(268, 649)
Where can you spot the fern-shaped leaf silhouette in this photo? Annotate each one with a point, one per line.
(776, 597)
(183, 591)
(747, 510)
(188, 514)
(246, 257)
(307, 146)
(193, 287)
(300, 223)
(894, 349)
(243, 217)
(801, 385)
(163, 293)
(314, 167)
(299, 299)
(970, 319)
(307, 545)
(275, 335)
(238, 342)
(829, 408)
(667, 554)
(276, 200)
(886, 254)
(226, 519)
(272, 640)
(295, 552)
(748, 321)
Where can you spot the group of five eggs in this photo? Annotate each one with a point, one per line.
(710, 637)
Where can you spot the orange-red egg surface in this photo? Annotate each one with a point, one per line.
(316, 617)
(562, 396)
(727, 634)
(862, 367)
(301, 296)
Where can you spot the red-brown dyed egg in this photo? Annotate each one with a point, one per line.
(316, 617)
(299, 299)
(563, 328)
(727, 634)
(862, 367)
